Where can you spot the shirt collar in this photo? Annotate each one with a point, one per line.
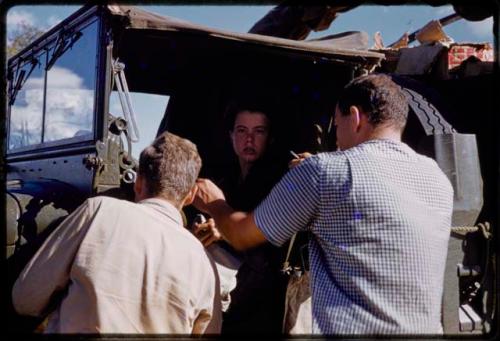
(382, 145)
(387, 142)
(164, 207)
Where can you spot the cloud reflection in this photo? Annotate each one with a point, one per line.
(69, 109)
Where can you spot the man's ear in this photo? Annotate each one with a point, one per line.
(355, 118)
(138, 187)
(188, 200)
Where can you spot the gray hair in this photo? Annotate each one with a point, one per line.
(170, 167)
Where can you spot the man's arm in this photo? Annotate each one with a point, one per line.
(47, 273)
(290, 207)
(210, 319)
(238, 228)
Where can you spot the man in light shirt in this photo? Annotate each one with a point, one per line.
(123, 267)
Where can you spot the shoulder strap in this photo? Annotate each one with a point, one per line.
(286, 265)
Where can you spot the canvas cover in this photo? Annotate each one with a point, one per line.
(139, 19)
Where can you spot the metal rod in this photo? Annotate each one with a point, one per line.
(443, 21)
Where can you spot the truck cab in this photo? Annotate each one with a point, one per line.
(73, 130)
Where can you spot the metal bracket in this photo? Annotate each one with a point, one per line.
(64, 42)
(469, 319)
(125, 101)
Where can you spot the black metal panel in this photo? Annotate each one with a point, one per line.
(66, 169)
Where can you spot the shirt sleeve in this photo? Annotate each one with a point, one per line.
(209, 320)
(48, 271)
(292, 203)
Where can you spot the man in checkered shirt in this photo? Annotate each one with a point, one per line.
(378, 213)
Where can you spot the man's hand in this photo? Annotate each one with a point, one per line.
(238, 228)
(297, 161)
(206, 232)
(207, 194)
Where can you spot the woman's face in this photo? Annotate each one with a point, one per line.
(250, 135)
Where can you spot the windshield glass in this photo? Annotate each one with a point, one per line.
(71, 89)
(27, 111)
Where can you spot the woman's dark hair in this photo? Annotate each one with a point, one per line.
(260, 104)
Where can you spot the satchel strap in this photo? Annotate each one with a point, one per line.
(287, 269)
(296, 242)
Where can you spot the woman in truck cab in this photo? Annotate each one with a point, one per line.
(257, 301)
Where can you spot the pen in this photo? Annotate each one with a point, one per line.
(294, 154)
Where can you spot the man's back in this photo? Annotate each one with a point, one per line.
(380, 217)
(137, 270)
(381, 236)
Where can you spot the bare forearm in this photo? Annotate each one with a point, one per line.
(238, 228)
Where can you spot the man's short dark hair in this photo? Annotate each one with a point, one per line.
(382, 100)
(170, 167)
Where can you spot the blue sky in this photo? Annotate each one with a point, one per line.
(391, 21)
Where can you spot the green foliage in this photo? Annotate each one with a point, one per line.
(21, 37)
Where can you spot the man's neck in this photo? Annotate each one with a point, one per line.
(382, 133)
(171, 202)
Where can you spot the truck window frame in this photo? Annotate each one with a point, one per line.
(74, 23)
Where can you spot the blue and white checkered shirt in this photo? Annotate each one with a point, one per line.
(379, 216)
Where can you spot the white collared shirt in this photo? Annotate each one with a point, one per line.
(124, 268)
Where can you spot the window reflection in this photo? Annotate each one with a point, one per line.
(27, 111)
(71, 88)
